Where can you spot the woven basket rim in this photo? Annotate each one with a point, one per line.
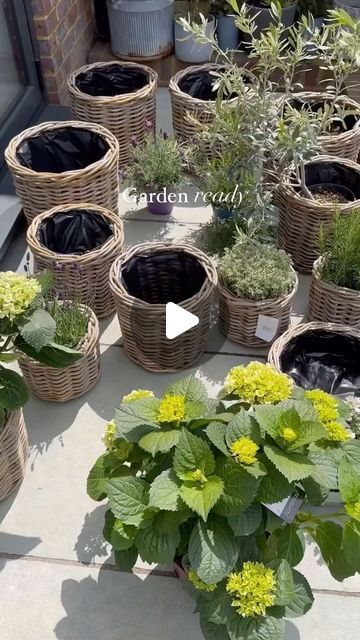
(11, 421)
(121, 98)
(339, 137)
(174, 83)
(257, 303)
(316, 273)
(36, 131)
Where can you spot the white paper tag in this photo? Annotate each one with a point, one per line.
(266, 328)
(288, 508)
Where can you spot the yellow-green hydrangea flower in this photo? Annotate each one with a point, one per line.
(109, 435)
(16, 294)
(137, 394)
(289, 434)
(193, 577)
(252, 589)
(258, 383)
(353, 509)
(326, 406)
(171, 409)
(199, 476)
(120, 447)
(336, 431)
(244, 450)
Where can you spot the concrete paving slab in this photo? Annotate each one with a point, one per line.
(190, 208)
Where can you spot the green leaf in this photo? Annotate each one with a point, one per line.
(120, 536)
(351, 544)
(128, 498)
(52, 355)
(154, 546)
(274, 487)
(202, 497)
(159, 441)
(165, 491)
(216, 607)
(240, 488)
(291, 544)
(8, 357)
(135, 419)
(247, 522)
(191, 388)
(213, 550)
(268, 417)
(248, 550)
(284, 589)
(13, 390)
(325, 469)
(125, 560)
(349, 481)
(293, 466)
(328, 536)
(39, 330)
(315, 493)
(303, 597)
(351, 450)
(242, 425)
(98, 479)
(309, 432)
(192, 453)
(259, 628)
(213, 631)
(216, 432)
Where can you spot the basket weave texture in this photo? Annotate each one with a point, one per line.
(300, 219)
(124, 115)
(97, 183)
(61, 385)
(330, 303)
(14, 448)
(238, 317)
(82, 277)
(143, 325)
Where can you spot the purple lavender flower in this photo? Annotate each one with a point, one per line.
(134, 140)
(149, 125)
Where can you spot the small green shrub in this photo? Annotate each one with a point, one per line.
(71, 322)
(221, 235)
(256, 272)
(339, 245)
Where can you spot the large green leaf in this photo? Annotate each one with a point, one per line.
(192, 453)
(309, 432)
(39, 329)
(325, 467)
(135, 419)
(159, 441)
(213, 550)
(351, 544)
(216, 432)
(328, 535)
(349, 481)
(128, 498)
(291, 544)
(191, 388)
(216, 607)
(248, 550)
(274, 487)
(126, 559)
(303, 597)
(242, 425)
(8, 357)
(293, 466)
(101, 472)
(351, 450)
(240, 488)
(315, 493)
(165, 491)
(284, 583)
(52, 355)
(246, 522)
(259, 628)
(155, 546)
(13, 390)
(119, 535)
(268, 417)
(213, 631)
(201, 497)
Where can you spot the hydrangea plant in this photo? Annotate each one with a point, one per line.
(212, 484)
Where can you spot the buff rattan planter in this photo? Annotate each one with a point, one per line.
(83, 158)
(61, 385)
(117, 95)
(300, 217)
(143, 280)
(14, 450)
(331, 303)
(238, 317)
(79, 264)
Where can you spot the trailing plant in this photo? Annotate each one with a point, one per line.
(188, 477)
(339, 246)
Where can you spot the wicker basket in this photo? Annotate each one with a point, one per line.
(238, 317)
(143, 324)
(14, 450)
(330, 303)
(82, 277)
(124, 115)
(61, 385)
(301, 217)
(97, 183)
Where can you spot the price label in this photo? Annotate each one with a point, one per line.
(266, 328)
(288, 508)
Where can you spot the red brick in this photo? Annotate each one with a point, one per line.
(46, 26)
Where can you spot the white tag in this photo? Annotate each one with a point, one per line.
(266, 328)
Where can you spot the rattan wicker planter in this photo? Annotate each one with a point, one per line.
(14, 450)
(143, 280)
(61, 385)
(301, 217)
(124, 114)
(94, 181)
(238, 317)
(83, 277)
(330, 303)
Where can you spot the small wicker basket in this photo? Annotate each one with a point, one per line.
(38, 191)
(238, 317)
(124, 115)
(143, 323)
(330, 303)
(83, 277)
(61, 385)
(14, 449)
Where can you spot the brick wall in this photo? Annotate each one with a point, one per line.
(65, 32)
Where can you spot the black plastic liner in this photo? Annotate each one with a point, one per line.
(324, 360)
(60, 150)
(102, 20)
(112, 80)
(315, 104)
(76, 231)
(199, 84)
(164, 276)
(318, 173)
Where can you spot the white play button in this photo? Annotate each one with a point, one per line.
(178, 320)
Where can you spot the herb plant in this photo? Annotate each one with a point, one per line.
(339, 246)
(71, 320)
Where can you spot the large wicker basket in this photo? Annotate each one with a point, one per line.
(330, 303)
(238, 317)
(143, 324)
(97, 182)
(124, 115)
(61, 385)
(82, 277)
(300, 218)
(14, 450)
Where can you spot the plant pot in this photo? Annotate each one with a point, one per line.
(187, 49)
(263, 17)
(141, 29)
(14, 449)
(350, 6)
(159, 205)
(336, 190)
(227, 32)
(330, 303)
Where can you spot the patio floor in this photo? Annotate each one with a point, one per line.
(57, 577)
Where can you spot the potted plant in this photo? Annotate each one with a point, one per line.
(256, 285)
(261, 12)
(227, 32)
(198, 482)
(157, 168)
(24, 324)
(190, 46)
